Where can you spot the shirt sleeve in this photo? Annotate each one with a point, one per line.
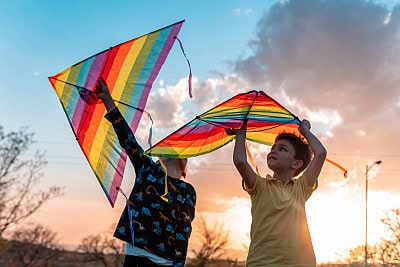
(126, 137)
(308, 190)
(184, 225)
(253, 190)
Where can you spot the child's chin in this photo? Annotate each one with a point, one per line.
(271, 166)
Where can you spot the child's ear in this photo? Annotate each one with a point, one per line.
(297, 164)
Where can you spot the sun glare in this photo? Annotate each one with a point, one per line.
(337, 221)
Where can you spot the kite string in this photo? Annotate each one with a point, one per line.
(190, 68)
(148, 115)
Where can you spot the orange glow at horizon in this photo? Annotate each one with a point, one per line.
(335, 211)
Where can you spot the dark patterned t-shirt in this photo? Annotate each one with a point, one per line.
(160, 227)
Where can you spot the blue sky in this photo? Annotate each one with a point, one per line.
(39, 39)
(334, 62)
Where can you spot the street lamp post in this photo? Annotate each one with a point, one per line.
(367, 168)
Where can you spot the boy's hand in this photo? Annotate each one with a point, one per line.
(230, 131)
(103, 93)
(304, 127)
(102, 90)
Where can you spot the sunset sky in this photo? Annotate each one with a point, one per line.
(336, 63)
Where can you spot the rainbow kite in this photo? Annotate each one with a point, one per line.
(129, 70)
(265, 119)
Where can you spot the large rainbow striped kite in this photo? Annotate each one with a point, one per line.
(129, 70)
(266, 118)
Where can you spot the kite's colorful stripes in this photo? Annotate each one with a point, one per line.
(206, 133)
(266, 118)
(129, 70)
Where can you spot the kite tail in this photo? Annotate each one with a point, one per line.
(151, 128)
(251, 158)
(190, 69)
(164, 196)
(128, 207)
(339, 166)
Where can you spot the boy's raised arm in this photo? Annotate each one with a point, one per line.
(318, 149)
(240, 158)
(103, 93)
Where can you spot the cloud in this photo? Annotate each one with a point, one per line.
(333, 49)
(336, 63)
(212, 91)
(165, 104)
(242, 11)
(170, 105)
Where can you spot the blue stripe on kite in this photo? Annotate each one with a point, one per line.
(84, 68)
(143, 78)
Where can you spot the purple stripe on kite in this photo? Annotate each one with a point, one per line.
(117, 179)
(89, 82)
(198, 128)
(95, 70)
(160, 61)
(79, 109)
(202, 126)
(116, 183)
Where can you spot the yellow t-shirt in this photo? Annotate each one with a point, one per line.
(279, 230)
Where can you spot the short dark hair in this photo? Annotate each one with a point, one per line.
(301, 148)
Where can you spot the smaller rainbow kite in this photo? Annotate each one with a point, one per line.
(266, 118)
(129, 70)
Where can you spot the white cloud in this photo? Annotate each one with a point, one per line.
(387, 20)
(241, 11)
(337, 64)
(326, 51)
(165, 104)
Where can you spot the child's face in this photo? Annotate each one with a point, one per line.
(282, 156)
